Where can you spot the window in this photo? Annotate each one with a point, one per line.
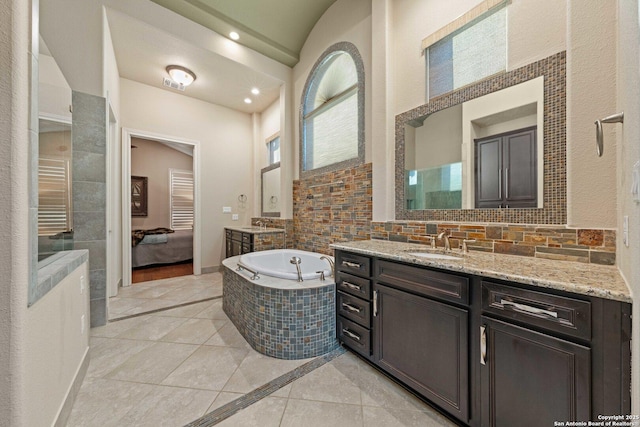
(332, 110)
(181, 186)
(54, 197)
(473, 52)
(273, 148)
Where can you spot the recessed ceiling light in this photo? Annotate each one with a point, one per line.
(181, 75)
(234, 35)
(248, 101)
(255, 91)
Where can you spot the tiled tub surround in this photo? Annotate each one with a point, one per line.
(595, 246)
(280, 318)
(553, 68)
(333, 207)
(587, 279)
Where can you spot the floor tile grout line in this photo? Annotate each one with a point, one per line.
(218, 415)
(157, 310)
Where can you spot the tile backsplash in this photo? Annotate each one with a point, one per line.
(541, 241)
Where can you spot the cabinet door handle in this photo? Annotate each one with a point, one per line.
(351, 334)
(483, 345)
(506, 183)
(528, 308)
(351, 286)
(351, 264)
(351, 308)
(375, 303)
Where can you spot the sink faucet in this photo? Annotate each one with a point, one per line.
(445, 236)
(261, 224)
(331, 264)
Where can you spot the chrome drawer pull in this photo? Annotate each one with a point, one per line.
(352, 286)
(483, 345)
(351, 308)
(528, 308)
(375, 303)
(351, 334)
(351, 264)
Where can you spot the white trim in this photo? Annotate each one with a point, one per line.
(127, 134)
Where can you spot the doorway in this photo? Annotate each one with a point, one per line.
(159, 203)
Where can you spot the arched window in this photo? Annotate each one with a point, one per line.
(332, 113)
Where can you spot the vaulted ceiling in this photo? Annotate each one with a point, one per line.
(275, 28)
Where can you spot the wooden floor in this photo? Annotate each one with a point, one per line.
(145, 274)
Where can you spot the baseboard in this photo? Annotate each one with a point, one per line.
(74, 388)
(214, 269)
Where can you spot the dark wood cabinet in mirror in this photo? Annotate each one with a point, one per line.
(435, 160)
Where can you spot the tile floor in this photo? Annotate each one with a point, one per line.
(147, 296)
(171, 367)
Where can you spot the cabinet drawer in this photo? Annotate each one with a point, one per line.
(554, 313)
(246, 237)
(236, 235)
(354, 285)
(354, 336)
(421, 281)
(354, 264)
(246, 248)
(228, 234)
(354, 308)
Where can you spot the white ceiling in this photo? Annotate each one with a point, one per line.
(143, 52)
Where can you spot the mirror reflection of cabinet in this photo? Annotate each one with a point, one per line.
(505, 170)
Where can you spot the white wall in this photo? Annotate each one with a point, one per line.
(153, 160)
(628, 92)
(226, 146)
(14, 206)
(591, 95)
(54, 94)
(345, 20)
(56, 344)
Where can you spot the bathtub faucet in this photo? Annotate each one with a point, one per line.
(331, 264)
(295, 260)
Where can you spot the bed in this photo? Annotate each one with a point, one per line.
(166, 248)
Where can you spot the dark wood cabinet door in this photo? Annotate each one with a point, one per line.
(520, 169)
(424, 344)
(506, 170)
(488, 176)
(532, 379)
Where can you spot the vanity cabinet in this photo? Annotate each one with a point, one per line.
(486, 351)
(238, 242)
(506, 170)
(354, 302)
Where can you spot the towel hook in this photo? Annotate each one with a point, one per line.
(615, 118)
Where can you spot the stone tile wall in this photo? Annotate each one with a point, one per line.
(332, 207)
(542, 241)
(89, 149)
(263, 242)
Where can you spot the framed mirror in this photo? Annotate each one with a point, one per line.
(493, 151)
(271, 190)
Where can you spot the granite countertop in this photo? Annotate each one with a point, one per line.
(587, 279)
(254, 229)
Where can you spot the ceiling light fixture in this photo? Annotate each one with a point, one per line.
(255, 91)
(181, 75)
(234, 35)
(248, 101)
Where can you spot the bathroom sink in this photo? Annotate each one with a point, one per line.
(432, 255)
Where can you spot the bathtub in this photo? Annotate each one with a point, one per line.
(279, 316)
(276, 263)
